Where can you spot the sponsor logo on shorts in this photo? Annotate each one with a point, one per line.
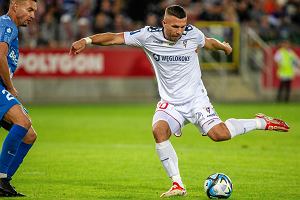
(212, 115)
(199, 116)
(208, 109)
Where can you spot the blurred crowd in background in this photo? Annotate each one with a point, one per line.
(60, 22)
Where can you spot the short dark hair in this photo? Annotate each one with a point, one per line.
(17, 0)
(177, 11)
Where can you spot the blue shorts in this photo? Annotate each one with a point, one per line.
(7, 101)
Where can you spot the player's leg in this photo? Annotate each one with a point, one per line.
(164, 125)
(219, 132)
(280, 91)
(168, 157)
(23, 149)
(6, 125)
(165, 151)
(19, 129)
(207, 120)
(287, 90)
(234, 127)
(161, 131)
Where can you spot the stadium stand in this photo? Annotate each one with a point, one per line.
(63, 21)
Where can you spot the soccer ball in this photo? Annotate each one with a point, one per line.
(218, 186)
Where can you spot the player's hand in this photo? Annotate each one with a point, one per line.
(13, 91)
(227, 48)
(77, 47)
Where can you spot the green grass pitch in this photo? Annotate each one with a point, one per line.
(108, 152)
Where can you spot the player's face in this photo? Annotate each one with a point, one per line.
(25, 12)
(173, 27)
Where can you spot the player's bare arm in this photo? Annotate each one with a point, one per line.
(4, 70)
(214, 44)
(103, 39)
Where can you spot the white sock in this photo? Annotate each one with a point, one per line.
(260, 123)
(178, 180)
(241, 126)
(2, 175)
(169, 160)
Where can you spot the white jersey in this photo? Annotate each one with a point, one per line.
(176, 64)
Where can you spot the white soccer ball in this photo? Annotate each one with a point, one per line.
(218, 186)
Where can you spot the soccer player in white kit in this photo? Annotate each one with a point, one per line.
(172, 51)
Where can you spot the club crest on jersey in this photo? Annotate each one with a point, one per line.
(8, 31)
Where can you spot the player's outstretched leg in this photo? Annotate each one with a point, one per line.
(175, 190)
(273, 124)
(234, 127)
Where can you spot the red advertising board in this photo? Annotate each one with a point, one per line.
(97, 62)
(106, 62)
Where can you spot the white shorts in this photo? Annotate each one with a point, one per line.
(202, 115)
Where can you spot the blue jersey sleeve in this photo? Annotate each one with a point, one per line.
(8, 32)
(9, 35)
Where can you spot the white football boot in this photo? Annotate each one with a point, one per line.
(175, 190)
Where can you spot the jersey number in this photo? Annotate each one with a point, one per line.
(8, 95)
(162, 105)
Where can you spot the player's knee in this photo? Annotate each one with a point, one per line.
(219, 134)
(16, 115)
(24, 121)
(158, 134)
(30, 137)
(216, 137)
(161, 132)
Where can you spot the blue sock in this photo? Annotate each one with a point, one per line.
(10, 146)
(20, 155)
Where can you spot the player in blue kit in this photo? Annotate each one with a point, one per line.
(13, 115)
